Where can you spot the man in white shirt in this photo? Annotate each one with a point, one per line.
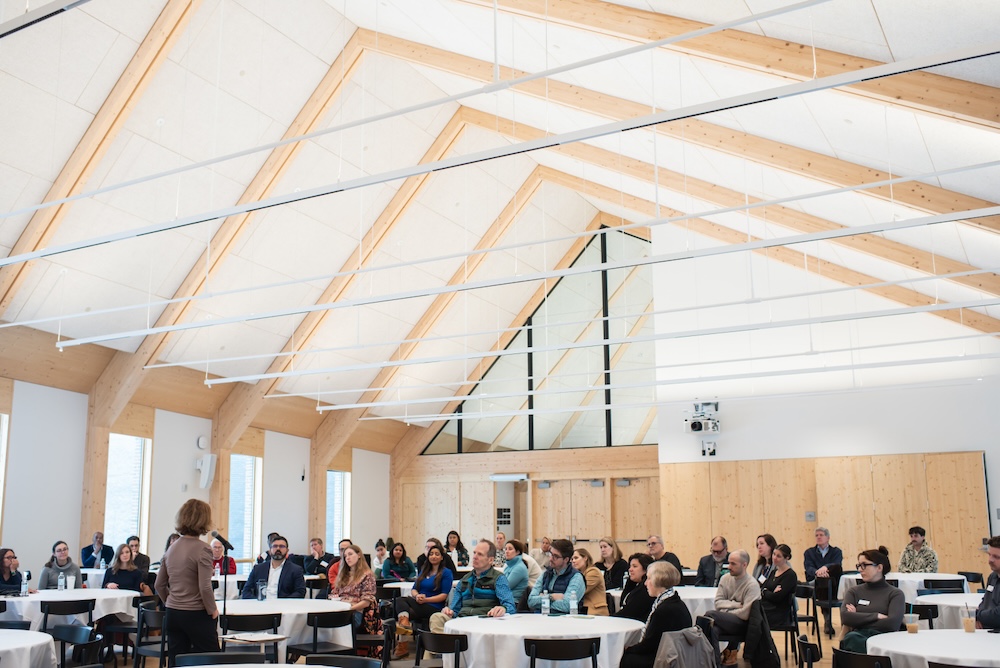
(281, 578)
(542, 555)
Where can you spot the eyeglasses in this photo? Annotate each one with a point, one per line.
(9, 556)
(652, 544)
(722, 551)
(553, 555)
(863, 565)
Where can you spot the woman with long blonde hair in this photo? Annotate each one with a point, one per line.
(612, 563)
(594, 599)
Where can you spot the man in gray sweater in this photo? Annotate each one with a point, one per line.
(736, 593)
(988, 613)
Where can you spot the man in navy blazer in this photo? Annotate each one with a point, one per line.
(90, 556)
(282, 578)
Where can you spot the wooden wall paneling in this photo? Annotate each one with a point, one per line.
(552, 510)
(591, 513)
(959, 516)
(899, 489)
(845, 502)
(429, 509)
(522, 512)
(477, 512)
(737, 505)
(686, 510)
(636, 513)
(135, 420)
(6, 395)
(790, 492)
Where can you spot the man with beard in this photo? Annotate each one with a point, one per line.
(281, 578)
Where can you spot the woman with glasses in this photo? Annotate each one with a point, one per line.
(9, 575)
(59, 562)
(874, 606)
(614, 567)
(778, 589)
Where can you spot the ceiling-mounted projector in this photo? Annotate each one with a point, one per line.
(699, 425)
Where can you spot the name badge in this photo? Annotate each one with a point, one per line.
(761, 579)
(323, 564)
(864, 601)
(990, 588)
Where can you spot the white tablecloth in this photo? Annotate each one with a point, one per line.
(698, 600)
(500, 641)
(293, 618)
(231, 589)
(950, 607)
(27, 649)
(909, 583)
(946, 646)
(106, 602)
(95, 577)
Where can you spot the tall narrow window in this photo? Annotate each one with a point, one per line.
(4, 426)
(338, 507)
(126, 502)
(245, 481)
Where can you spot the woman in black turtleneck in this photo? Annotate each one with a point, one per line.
(874, 606)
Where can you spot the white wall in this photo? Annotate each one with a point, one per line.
(44, 473)
(876, 422)
(285, 503)
(174, 478)
(369, 498)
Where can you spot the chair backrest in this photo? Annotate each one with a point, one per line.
(3, 606)
(688, 580)
(149, 619)
(809, 652)
(73, 634)
(216, 658)
(894, 583)
(562, 649)
(611, 603)
(844, 659)
(971, 576)
(341, 661)
(928, 612)
(823, 590)
(441, 643)
(77, 607)
(15, 624)
(264, 622)
(928, 592)
(90, 651)
(935, 664)
(330, 620)
(947, 586)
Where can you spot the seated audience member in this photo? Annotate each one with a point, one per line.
(59, 562)
(541, 555)
(737, 592)
(280, 577)
(123, 574)
(378, 557)
(91, 556)
(318, 561)
(711, 566)
(483, 591)
(778, 590)
(918, 557)
(218, 556)
(872, 607)
(614, 567)
(355, 584)
(515, 569)
(658, 551)
(988, 612)
(534, 570)
(331, 573)
(266, 554)
(560, 579)
(428, 596)
(140, 560)
(501, 557)
(398, 566)
(448, 563)
(595, 598)
(171, 539)
(10, 576)
(636, 602)
(460, 555)
(765, 547)
(824, 563)
(669, 613)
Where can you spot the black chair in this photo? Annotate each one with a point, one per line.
(825, 597)
(386, 640)
(522, 603)
(894, 583)
(3, 606)
(313, 586)
(440, 643)
(251, 623)
(612, 609)
(146, 644)
(809, 653)
(67, 608)
(240, 584)
(343, 661)
(216, 658)
(125, 628)
(790, 628)
(70, 634)
(90, 652)
(945, 586)
(562, 649)
(805, 592)
(15, 624)
(972, 577)
(928, 592)
(688, 580)
(844, 659)
(324, 620)
(928, 612)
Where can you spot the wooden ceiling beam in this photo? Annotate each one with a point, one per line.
(871, 244)
(97, 140)
(809, 164)
(922, 91)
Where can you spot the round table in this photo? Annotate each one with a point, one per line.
(499, 641)
(293, 618)
(106, 602)
(95, 577)
(27, 649)
(232, 590)
(950, 607)
(909, 583)
(907, 650)
(698, 600)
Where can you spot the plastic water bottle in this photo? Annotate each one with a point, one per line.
(545, 602)
(217, 572)
(24, 584)
(574, 608)
(104, 564)
(62, 581)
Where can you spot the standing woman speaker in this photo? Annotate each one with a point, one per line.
(184, 583)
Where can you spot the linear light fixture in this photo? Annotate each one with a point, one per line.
(483, 90)
(38, 15)
(508, 477)
(657, 118)
(548, 275)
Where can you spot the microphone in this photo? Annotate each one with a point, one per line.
(225, 543)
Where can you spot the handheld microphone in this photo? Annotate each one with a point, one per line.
(225, 543)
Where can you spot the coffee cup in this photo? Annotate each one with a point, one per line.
(912, 623)
(70, 582)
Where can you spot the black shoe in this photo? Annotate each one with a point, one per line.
(828, 629)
